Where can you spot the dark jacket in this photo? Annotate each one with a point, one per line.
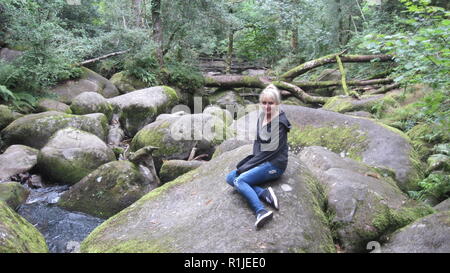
(269, 146)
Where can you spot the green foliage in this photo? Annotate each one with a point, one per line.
(436, 185)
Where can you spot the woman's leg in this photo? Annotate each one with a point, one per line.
(247, 182)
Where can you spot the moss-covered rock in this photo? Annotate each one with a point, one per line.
(141, 107)
(343, 104)
(88, 82)
(17, 159)
(176, 136)
(91, 102)
(45, 105)
(126, 83)
(430, 234)
(72, 154)
(223, 114)
(13, 193)
(17, 235)
(107, 190)
(364, 204)
(171, 169)
(200, 212)
(224, 98)
(363, 139)
(35, 130)
(6, 116)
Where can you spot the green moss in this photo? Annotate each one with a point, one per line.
(338, 139)
(91, 245)
(389, 220)
(339, 105)
(172, 94)
(154, 137)
(13, 193)
(18, 235)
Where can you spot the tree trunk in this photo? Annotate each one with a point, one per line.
(324, 84)
(294, 39)
(230, 50)
(305, 67)
(137, 12)
(157, 30)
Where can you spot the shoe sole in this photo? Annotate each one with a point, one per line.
(274, 197)
(263, 220)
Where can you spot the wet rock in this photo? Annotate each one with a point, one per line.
(13, 193)
(18, 235)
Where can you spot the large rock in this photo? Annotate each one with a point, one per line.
(88, 82)
(224, 98)
(430, 234)
(6, 116)
(35, 130)
(176, 136)
(171, 169)
(9, 55)
(200, 212)
(72, 154)
(365, 204)
(139, 108)
(45, 105)
(107, 190)
(91, 102)
(13, 193)
(443, 206)
(361, 139)
(17, 235)
(126, 83)
(17, 159)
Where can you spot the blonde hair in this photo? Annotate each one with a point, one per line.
(271, 91)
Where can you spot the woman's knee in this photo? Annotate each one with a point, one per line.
(231, 177)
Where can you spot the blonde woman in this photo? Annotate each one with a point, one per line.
(269, 159)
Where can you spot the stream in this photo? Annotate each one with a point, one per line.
(63, 230)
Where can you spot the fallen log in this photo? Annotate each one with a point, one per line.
(324, 84)
(103, 57)
(305, 67)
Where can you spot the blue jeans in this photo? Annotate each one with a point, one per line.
(246, 183)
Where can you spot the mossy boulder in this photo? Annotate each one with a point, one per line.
(171, 169)
(200, 212)
(430, 234)
(18, 235)
(364, 204)
(17, 159)
(6, 116)
(126, 83)
(107, 190)
(71, 154)
(343, 104)
(88, 82)
(223, 98)
(13, 193)
(35, 130)
(45, 105)
(91, 102)
(175, 137)
(362, 139)
(141, 107)
(223, 114)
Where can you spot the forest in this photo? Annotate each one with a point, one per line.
(373, 65)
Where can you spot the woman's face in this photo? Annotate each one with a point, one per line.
(268, 105)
